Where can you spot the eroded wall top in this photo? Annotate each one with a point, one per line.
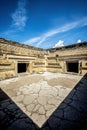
(10, 47)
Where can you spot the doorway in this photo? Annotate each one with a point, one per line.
(21, 67)
(72, 67)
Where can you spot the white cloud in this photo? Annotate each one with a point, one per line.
(32, 40)
(60, 43)
(62, 29)
(79, 41)
(19, 17)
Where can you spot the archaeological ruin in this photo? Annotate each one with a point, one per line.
(16, 58)
(43, 89)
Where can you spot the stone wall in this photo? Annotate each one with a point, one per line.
(14, 56)
(13, 53)
(59, 57)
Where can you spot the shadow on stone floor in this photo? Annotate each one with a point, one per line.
(72, 112)
(70, 115)
(12, 117)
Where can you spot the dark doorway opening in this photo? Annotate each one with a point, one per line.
(72, 67)
(21, 67)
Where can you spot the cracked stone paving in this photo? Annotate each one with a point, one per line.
(48, 101)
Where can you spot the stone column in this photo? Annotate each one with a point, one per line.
(16, 68)
(27, 68)
(63, 67)
(80, 67)
(30, 67)
(45, 63)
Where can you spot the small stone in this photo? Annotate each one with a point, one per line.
(41, 110)
(35, 101)
(20, 105)
(36, 108)
(28, 99)
(18, 98)
(30, 107)
(38, 119)
(48, 107)
(48, 113)
(18, 93)
(53, 101)
(42, 100)
(28, 113)
(26, 92)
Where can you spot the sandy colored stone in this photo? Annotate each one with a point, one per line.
(42, 100)
(27, 92)
(48, 92)
(28, 99)
(36, 88)
(43, 93)
(28, 113)
(63, 92)
(35, 97)
(18, 98)
(20, 104)
(68, 90)
(48, 107)
(35, 102)
(38, 119)
(30, 107)
(53, 101)
(36, 108)
(22, 89)
(18, 93)
(22, 107)
(41, 110)
(49, 112)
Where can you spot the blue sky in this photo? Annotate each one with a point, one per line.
(44, 23)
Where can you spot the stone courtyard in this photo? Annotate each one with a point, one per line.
(39, 95)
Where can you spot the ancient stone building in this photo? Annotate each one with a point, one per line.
(16, 58)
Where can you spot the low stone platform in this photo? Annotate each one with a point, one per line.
(46, 101)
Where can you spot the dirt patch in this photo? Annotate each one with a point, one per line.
(66, 82)
(23, 80)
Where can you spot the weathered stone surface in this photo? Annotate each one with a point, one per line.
(29, 99)
(30, 107)
(49, 112)
(18, 93)
(42, 100)
(18, 98)
(48, 107)
(36, 108)
(57, 113)
(41, 110)
(2, 115)
(53, 101)
(54, 123)
(21, 124)
(71, 114)
(39, 119)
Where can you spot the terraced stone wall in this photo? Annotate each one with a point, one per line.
(59, 59)
(13, 54)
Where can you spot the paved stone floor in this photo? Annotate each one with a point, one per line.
(46, 101)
